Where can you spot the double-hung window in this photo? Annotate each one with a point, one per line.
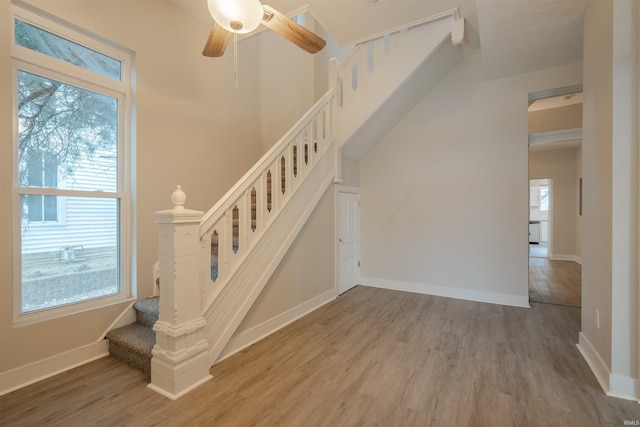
(72, 168)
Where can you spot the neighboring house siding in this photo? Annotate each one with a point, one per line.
(86, 222)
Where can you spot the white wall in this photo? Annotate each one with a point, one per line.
(350, 172)
(560, 167)
(609, 242)
(444, 194)
(596, 185)
(286, 87)
(625, 196)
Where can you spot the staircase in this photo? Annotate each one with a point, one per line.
(132, 344)
(215, 264)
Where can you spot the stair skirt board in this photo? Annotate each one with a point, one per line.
(242, 290)
(256, 333)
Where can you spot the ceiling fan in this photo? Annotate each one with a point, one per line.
(243, 16)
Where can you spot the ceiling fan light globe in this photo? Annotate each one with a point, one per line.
(230, 13)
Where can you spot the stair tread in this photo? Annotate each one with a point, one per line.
(148, 305)
(137, 337)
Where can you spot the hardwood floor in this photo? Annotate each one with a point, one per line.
(372, 357)
(555, 282)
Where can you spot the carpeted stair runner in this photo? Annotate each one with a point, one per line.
(132, 344)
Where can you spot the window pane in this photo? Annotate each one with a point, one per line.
(67, 136)
(77, 261)
(50, 208)
(544, 198)
(33, 208)
(55, 46)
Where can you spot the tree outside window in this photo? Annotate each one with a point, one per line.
(71, 148)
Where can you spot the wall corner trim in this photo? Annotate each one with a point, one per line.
(623, 387)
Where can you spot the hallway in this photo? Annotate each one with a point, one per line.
(540, 250)
(555, 282)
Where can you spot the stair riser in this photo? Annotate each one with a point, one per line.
(147, 311)
(147, 319)
(136, 360)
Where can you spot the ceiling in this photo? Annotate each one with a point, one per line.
(514, 36)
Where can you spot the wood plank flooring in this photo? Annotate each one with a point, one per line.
(372, 357)
(555, 282)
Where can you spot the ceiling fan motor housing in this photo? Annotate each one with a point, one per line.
(239, 16)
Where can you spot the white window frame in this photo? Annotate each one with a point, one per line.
(43, 65)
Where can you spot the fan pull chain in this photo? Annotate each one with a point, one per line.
(235, 58)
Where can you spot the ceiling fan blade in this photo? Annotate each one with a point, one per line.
(292, 31)
(217, 41)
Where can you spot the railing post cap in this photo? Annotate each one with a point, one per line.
(178, 214)
(178, 197)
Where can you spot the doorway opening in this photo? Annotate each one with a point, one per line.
(540, 205)
(555, 171)
(348, 238)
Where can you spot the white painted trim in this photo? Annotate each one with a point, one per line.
(549, 93)
(340, 188)
(31, 373)
(565, 257)
(595, 362)
(452, 12)
(409, 51)
(176, 396)
(555, 136)
(127, 317)
(613, 385)
(442, 291)
(623, 387)
(268, 327)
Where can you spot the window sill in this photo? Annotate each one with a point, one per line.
(68, 310)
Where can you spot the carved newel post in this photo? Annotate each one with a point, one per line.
(180, 356)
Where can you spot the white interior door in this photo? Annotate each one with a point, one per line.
(348, 240)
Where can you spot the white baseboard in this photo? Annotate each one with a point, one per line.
(42, 369)
(595, 362)
(441, 291)
(266, 328)
(613, 385)
(623, 387)
(563, 257)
